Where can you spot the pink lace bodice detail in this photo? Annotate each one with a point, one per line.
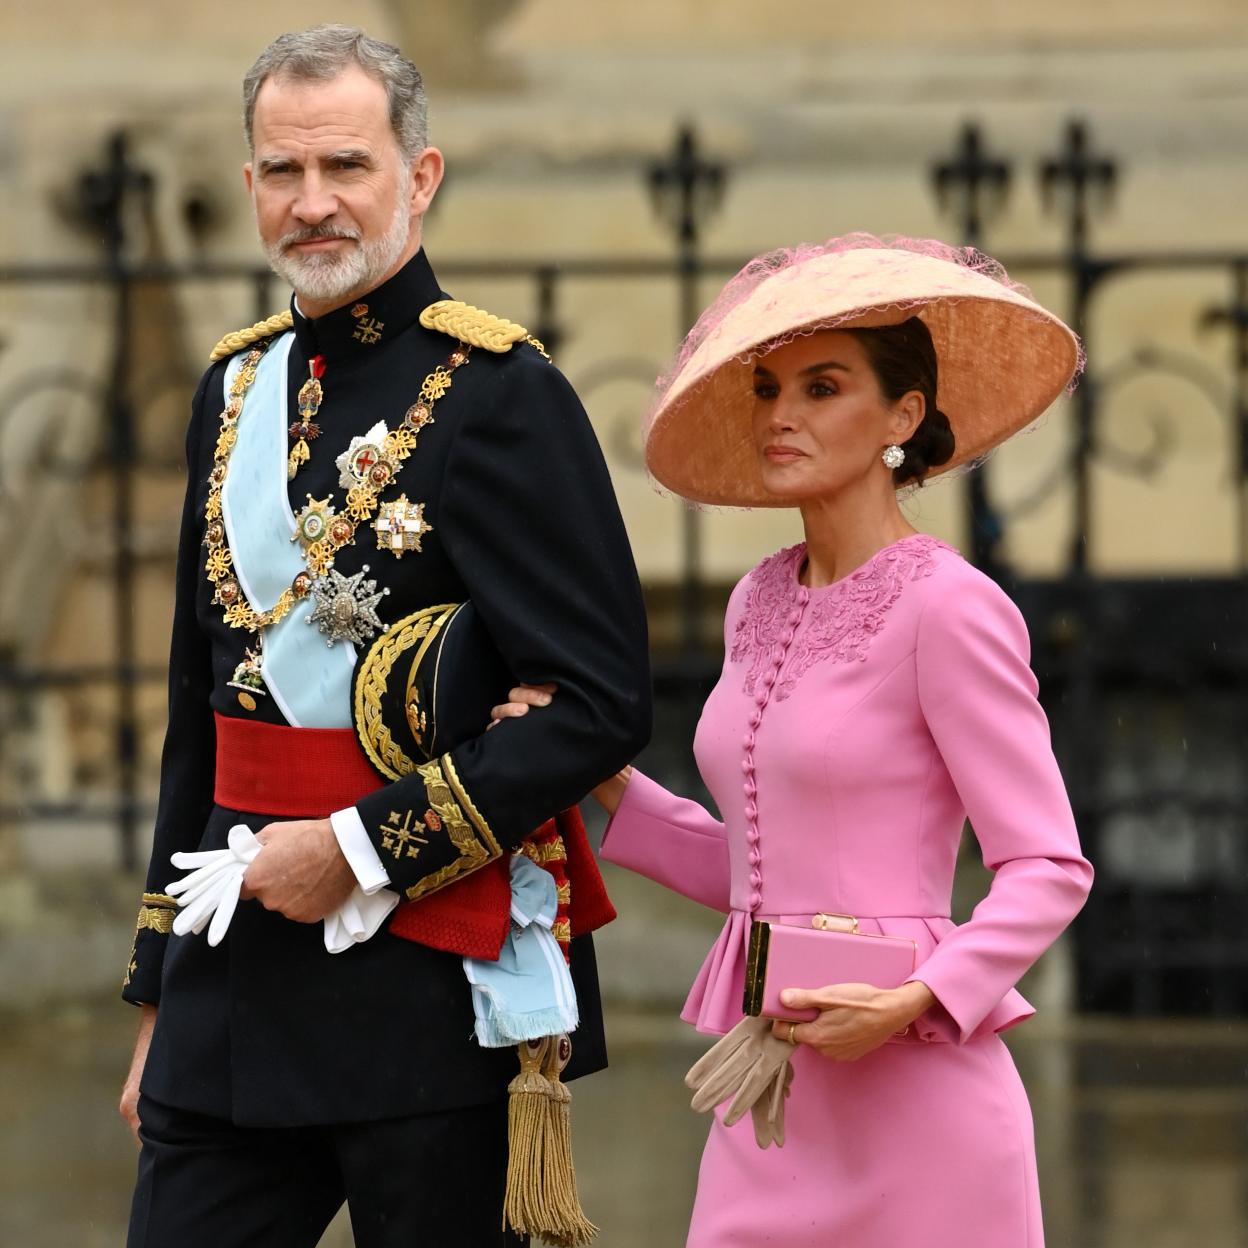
(842, 618)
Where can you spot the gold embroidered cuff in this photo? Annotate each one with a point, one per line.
(562, 931)
(160, 899)
(469, 834)
(156, 919)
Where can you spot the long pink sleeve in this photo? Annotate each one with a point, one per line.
(978, 696)
(670, 840)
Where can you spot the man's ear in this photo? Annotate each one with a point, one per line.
(427, 169)
(247, 176)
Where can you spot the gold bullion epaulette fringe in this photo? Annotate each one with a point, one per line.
(241, 338)
(476, 327)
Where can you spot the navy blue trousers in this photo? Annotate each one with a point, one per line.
(430, 1181)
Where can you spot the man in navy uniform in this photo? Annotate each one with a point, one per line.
(376, 451)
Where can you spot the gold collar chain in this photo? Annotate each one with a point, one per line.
(327, 533)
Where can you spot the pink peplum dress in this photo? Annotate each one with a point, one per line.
(853, 730)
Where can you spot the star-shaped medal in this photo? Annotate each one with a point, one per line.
(346, 607)
(359, 461)
(400, 525)
(312, 522)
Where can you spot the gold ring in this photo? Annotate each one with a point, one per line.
(792, 1029)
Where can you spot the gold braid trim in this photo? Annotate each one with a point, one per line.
(160, 899)
(551, 851)
(241, 338)
(457, 786)
(476, 327)
(472, 853)
(374, 734)
(155, 918)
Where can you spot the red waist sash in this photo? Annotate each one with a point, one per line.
(308, 773)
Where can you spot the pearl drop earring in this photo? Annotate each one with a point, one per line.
(893, 457)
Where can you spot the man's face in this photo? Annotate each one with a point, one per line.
(337, 206)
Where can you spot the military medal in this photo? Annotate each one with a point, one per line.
(305, 429)
(365, 461)
(248, 680)
(400, 525)
(346, 607)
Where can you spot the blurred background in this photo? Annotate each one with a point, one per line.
(609, 167)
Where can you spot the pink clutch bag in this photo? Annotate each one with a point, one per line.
(831, 951)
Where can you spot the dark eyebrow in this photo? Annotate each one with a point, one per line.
(352, 153)
(826, 366)
(267, 164)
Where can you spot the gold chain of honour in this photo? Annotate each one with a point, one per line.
(362, 498)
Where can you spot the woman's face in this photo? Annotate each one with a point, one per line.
(820, 421)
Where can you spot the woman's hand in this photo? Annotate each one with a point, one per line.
(854, 1019)
(610, 792)
(519, 700)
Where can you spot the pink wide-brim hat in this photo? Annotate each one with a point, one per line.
(1002, 359)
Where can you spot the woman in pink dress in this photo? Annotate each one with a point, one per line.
(875, 694)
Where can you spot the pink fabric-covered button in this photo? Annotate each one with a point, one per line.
(750, 788)
(756, 718)
(769, 677)
(748, 740)
(786, 637)
(747, 766)
(751, 811)
(754, 858)
(756, 880)
(795, 617)
(756, 900)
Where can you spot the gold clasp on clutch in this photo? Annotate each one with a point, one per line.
(835, 923)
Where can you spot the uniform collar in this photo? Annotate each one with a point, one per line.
(356, 332)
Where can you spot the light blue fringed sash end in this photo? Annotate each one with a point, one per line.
(528, 992)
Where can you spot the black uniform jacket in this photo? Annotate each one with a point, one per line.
(268, 1028)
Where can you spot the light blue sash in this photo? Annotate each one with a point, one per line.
(309, 680)
(528, 992)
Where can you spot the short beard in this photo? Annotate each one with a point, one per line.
(331, 278)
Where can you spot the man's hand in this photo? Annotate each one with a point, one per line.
(856, 1018)
(300, 872)
(129, 1107)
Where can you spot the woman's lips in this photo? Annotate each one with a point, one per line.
(783, 454)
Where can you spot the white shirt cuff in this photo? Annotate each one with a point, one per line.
(358, 850)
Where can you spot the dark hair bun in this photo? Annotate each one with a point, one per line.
(929, 446)
(903, 358)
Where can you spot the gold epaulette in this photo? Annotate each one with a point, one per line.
(241, 338)
(476, 327)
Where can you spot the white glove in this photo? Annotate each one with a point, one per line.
(211, 892)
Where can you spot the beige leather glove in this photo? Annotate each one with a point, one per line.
(768, 1110)
(750, 1065)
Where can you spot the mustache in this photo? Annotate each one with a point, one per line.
(315, 232)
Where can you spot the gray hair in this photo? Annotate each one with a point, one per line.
(323, 53)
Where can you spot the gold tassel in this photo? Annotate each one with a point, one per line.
(571, 1227)
(541, 1196)
(528, 1093)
